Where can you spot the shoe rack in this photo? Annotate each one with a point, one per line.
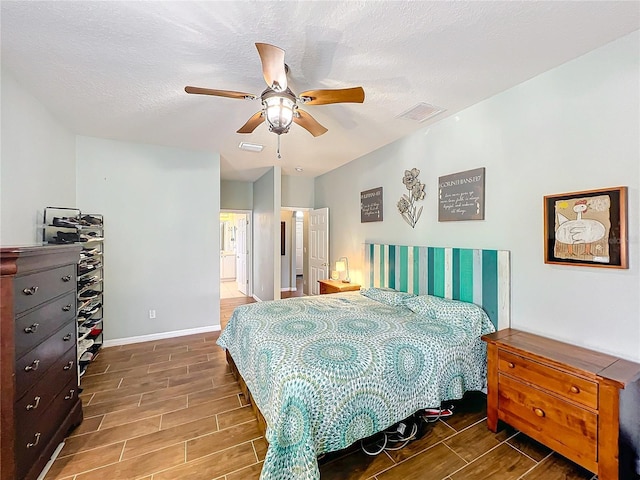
(70, 225)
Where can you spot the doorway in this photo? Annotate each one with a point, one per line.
(235, 254)
(294, 258)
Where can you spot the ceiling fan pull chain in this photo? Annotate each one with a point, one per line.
(279, 156)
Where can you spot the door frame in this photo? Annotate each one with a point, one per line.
(249, 240)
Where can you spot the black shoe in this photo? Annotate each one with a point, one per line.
(91, 220)
(65, 222)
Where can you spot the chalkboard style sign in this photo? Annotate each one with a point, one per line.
(371, 205)
(461, 196)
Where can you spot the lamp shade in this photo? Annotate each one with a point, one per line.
(340, 266)
(279, 112)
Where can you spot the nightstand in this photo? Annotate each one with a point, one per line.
(564, 396)
(336, 286)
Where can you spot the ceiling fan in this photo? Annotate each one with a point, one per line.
(279, 103)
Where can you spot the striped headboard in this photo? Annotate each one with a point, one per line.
(478, 276)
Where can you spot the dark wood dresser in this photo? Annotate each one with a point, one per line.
(38, 356)
(564, 396)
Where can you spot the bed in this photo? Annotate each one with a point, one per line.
(323, 372)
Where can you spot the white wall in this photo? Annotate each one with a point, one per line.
(573, 128)
(162, 234)
(266, 235)
(37, 168)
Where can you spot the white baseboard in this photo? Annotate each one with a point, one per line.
(288, 289)
(160, 336)
(257, 299)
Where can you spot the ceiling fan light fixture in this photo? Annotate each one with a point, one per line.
(279, 112)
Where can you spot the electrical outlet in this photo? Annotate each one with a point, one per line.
(152, 314)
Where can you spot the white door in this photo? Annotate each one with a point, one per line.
(299, 245)
(241, 253)
(319, 248)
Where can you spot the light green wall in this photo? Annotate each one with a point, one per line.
(573, 128)
(235, 195)
(162, 233)
(38, 166)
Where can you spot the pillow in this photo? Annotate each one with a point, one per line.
(466, 315)
(387, 296)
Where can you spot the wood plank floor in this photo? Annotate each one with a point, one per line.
(171, 410)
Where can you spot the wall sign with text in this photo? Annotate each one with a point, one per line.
(371, 205)
(461, 196)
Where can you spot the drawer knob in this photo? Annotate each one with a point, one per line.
(30, 290)
(539, 412)
(36, 440)
(70, 396)
(66, 338)
(68, 366)
(34, 366)
(512, 365)
(66, 308)
(66, 278)
(34, 405)
(32, 328)
(575, 389)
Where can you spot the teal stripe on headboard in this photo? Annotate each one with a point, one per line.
(471, 275)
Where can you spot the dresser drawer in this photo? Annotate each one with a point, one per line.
(579, 390)
(58, 352)
(38, 398)
(34, 435)
(36, 288)
(566, 428)
(33, 328)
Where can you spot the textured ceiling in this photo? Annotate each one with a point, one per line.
(118, 69)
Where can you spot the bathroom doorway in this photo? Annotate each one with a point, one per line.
(235, 254)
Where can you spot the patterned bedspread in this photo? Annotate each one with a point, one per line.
(326, 371)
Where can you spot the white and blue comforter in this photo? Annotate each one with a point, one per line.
(327, 371)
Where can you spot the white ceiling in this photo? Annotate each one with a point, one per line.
(118, 69)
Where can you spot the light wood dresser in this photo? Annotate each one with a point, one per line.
(39, 366)
(563, 396)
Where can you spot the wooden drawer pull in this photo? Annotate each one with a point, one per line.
(68, 366)
(66, 278)
(512, 365)
(66, 338)
(34, 366)
(32, 328)
(539, 412)
(36, 439)
(574, 389)
(30, 290)
(34, 405)
(70, 396)
(66, 308)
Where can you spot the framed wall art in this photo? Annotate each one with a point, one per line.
(461, 196)
(587, 228)
(371, 205)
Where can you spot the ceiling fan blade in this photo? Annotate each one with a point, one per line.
(273, 68)
(340, 95)
(309, 123)
(219, 93)
(252, 123)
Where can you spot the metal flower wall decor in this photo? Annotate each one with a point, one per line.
(406, 204)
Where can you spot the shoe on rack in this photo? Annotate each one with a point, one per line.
(92, 220)
(66, 237)
(66, 222)
(86, 295)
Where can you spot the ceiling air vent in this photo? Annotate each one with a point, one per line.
(250, 147)
(421, 112)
